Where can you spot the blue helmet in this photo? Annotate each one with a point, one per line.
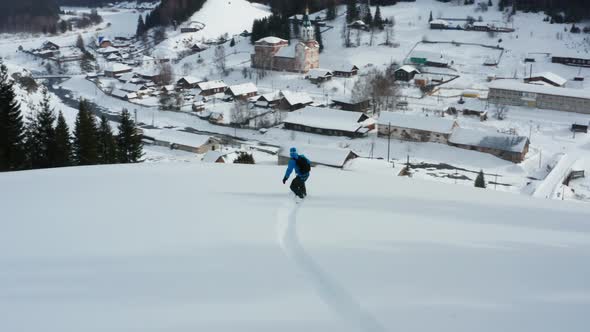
(293, 153)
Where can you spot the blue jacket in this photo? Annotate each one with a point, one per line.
(293, 166)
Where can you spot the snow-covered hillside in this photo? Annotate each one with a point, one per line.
(195, 247)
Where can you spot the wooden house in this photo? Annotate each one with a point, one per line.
(182, 140)
(347, 104)
(330, 122)
(188, 82)
(292, 101)
(319, 75)
(211, 87)
(345, 70)
(116, 69)
(242, 91)
(405, 73)
(415, 128)
(269, 100)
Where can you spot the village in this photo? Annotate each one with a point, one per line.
(460, 94)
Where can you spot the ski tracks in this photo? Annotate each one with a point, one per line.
(334, 295)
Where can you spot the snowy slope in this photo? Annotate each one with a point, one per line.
(200, 247)
(228, 16)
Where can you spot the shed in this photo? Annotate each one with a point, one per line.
(439, 24)
(319, 155)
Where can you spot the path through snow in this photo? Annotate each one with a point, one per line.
(334, 295)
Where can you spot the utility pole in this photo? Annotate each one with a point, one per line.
(388, 141)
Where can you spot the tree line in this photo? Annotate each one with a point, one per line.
(44, 139)
(29, 16)
(172, 12)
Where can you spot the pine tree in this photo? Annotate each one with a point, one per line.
(378, 19)
(141, 28)
(244, 158)
(331, 10)
(63, 143)
(480, 181)
(80, 43)
(129, 145)
(368, 19)
(85, 136)
(107, 144)
(490, 4)
(41, 135)
(12, 133)
(352, 13)
(232, 43)
(318, 37)
(430, 17)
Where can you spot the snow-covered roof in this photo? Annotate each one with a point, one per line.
(481, 24)
(422, 77)
(534, 88)
(426, 123)
(286, 52)
(113, 56)
(440, 22)
(108, 50)
(296, 98)
(117, 67)
(243, 89)
(213, 156)
(126, 77)
(168, 88)
(271, 40)
(409, 69)
(551, 77)
(131, 87)
(191, 79)
(179, 137)
(319, 73)
(323, 155)
(273, 96)
(123, 94)
(326, 118)
(344, 67)
(211, 85)
(490, 140)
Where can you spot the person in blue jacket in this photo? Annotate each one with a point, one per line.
(302, 166)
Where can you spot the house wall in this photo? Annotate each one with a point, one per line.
(514, 157)
(543, 101)
(571, 61)
(413, 135)
(321, 131)
(402, 75)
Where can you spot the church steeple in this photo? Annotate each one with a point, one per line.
(307, 32)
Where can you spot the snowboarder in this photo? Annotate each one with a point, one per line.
(302, 166)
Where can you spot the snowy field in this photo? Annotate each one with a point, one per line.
(195, 247)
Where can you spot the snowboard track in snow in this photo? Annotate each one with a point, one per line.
(331, 293)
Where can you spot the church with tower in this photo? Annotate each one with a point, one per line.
(272, 53)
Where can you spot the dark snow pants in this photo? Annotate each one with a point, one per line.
(298, 187)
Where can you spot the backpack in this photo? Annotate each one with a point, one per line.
(303, 165)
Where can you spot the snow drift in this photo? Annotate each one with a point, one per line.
(194, 247)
